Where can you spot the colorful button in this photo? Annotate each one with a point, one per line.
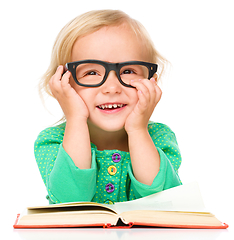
(108, 201)
(116, 157)
(110, 187)
(112, 170)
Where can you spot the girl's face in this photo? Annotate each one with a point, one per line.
(110, 44)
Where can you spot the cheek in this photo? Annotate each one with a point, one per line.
(88, 95)
(78, 89)
(73, 84)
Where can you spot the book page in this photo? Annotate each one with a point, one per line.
(182, 198)
(70, 207)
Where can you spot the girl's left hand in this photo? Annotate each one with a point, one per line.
(149, 95)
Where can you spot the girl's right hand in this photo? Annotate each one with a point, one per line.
(71, 103)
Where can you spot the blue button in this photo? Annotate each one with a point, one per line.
(116, 157)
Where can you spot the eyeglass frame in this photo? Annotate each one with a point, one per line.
(71, 67)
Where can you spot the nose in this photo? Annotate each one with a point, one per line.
(112, 84)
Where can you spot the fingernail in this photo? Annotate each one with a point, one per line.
(153, 79)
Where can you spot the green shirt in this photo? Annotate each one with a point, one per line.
(110, 178)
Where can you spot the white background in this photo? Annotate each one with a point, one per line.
(197, 37)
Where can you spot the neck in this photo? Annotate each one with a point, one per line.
(108, 140)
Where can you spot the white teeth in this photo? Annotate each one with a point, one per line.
(110, 106)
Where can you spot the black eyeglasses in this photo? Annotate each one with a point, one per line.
(93, 73)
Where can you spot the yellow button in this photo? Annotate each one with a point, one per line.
(112, 170)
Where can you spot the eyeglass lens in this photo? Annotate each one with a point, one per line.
(92, 73)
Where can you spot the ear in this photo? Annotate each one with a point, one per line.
(156, 76)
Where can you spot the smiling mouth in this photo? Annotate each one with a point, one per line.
(111, 106)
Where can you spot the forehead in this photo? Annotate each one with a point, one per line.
(112, 44)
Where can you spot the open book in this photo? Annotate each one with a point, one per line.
(179, 207)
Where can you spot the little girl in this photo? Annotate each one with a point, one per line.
(103, 73)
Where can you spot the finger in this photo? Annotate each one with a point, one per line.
(140, 86)
(54, 86)
(152, 84)
(59, 71)
(148, 88)
(155, 91)
(158, 93)
(55, 82)
(143, 95)
(57, 76)
(65, 79)
(65, 85)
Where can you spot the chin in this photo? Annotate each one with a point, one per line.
(106, 127)
(112, 128)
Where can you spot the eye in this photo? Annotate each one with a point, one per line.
(128, 71)
(91, 73)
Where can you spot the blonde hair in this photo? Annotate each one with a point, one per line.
(88, 23)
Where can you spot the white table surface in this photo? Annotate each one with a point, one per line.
(70, 234)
